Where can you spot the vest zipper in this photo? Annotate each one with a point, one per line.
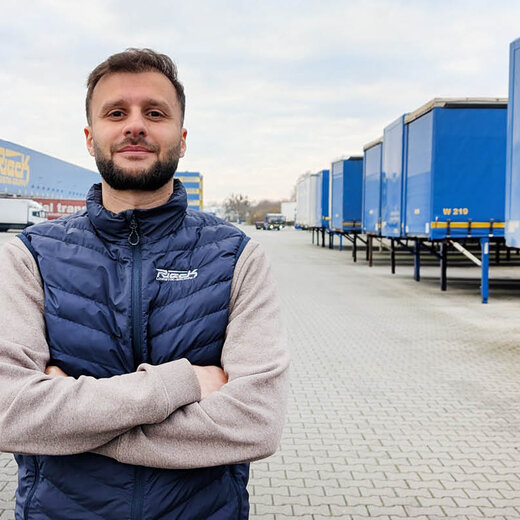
(140, 355)
(134, 240)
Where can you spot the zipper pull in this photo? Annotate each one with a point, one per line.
(133, 237)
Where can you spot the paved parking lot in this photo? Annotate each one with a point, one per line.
(404, 400)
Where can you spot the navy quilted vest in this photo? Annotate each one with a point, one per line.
(108, 309)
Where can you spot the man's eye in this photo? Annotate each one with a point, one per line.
(155, 114)
(116, 113)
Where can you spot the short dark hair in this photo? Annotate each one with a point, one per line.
(136, 60)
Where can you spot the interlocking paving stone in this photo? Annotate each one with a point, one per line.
(410, 393)
(7, 486)
(404, 400)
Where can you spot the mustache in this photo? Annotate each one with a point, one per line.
(134, 141)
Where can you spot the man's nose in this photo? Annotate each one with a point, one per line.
(135, 125)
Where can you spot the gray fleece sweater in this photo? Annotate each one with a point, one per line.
(155, 416)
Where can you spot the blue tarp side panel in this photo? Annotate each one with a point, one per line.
(30, 173)
(418, 173)
(404, 181)
(372, 189)
(513, 149)
(324, 216)
(336, 204)
(352, 194)
(392, 178)
(363, 202)
(469, 169)
(321, 204)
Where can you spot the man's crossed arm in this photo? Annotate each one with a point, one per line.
(211, 378)
(169, 415)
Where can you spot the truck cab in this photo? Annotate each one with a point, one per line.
(18, 213)
(274, 221)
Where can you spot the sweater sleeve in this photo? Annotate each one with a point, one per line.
(63, 415)
(244, 420)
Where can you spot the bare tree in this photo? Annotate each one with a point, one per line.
(260, 210)
(237, 207)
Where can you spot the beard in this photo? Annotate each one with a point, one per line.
(147, 179)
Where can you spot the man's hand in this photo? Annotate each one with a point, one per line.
(210, 379)
(54, 371)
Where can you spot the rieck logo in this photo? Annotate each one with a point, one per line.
(14, 167)
(166, 275)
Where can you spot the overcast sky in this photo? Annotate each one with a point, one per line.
(274, 89)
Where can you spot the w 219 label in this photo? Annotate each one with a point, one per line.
(455, 211)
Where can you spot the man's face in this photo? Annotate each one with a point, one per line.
(135, 131)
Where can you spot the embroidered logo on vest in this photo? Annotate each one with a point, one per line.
(167, 275)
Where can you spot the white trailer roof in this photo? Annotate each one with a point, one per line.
(373, 143)
(346, 158)
(469, 102)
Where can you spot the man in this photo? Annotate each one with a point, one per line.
(142, 363)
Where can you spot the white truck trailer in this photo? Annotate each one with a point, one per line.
(288, 210)
(306, 195)
(20, 213)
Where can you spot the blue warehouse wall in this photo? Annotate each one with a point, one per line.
(26, 172)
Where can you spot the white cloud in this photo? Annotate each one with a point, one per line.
(273, 88)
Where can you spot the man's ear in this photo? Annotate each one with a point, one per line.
(89, 141)
(183, 142)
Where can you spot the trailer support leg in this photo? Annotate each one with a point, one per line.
(392, 254)
(340, 242)
(484, 282)
(370, 249)
(322, 237)
(444, 265)
(417, 261)
(312, 231)
(331, 240)
(354, 248)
